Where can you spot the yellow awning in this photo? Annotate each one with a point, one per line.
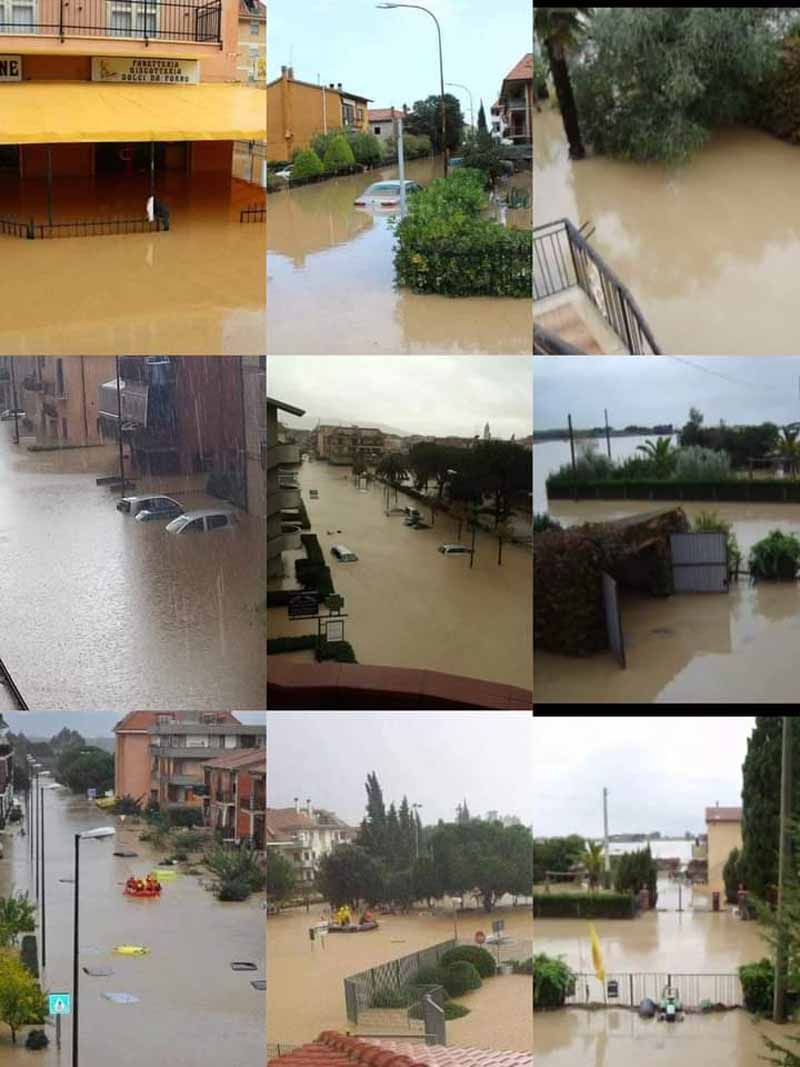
(69, 112)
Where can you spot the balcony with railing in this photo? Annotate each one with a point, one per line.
(181, 21)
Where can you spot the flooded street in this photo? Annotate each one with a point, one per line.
(326, 254)
(191, 1003)
(731, 648)
(99, 611)
(197, 289)
(500, 1016)
(712, 266)
(409, 605)
(657, 942)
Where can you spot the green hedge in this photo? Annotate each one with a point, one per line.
(768, 490)
(480, 958)
(584, 906)
(553, 982)
(460, 977)
(758, 982)
(337, 651)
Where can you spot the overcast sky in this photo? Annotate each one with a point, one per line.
(661, 389)
(89, 723)
(435, 758)
(441, 395)
(392, 57)
(661, 772)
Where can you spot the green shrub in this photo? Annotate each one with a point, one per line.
(187, 817)
(367, 148)
(429, 976)
(698, 464)
(480, 958)
(29, 955)
(230, 889)
(454, 1011)
(758, 981)
(338, 155)
(584, 906)
(776, 556)
(711, 522)
(37, 1039)
(732, 875)
(542, 521)
(634, 871)
(306, 164)
(522, 966)
(553, 982)
(460, 977)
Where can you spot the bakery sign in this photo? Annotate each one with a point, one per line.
(10, 68)
(145, 71)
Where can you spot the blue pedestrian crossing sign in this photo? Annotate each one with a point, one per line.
(59, 1003)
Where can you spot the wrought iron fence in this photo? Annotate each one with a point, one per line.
(33, 230)
(628, 990)
(375, 988)
(254, 213)
(563, 259)
(140, 20)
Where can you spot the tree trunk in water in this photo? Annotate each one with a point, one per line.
(566, 100)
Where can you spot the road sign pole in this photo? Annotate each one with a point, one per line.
(58, 1031)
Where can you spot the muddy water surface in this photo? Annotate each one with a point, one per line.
(408, 605)
(198, 289)
(712, 265)
(305, 993)
(733, 647)
(100, 611)
(327, 255)
(193, 1010)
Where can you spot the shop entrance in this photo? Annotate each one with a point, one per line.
(9, 159)
(134, 158)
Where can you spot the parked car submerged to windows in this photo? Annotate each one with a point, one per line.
(9, 413)
(385, 194)
(203, 521)
(344, 554)
(453, 550)
(150, 507)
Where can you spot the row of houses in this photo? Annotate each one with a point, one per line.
(176, 415)
(208, 762)
(303, 835)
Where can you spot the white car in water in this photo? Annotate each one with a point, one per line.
(385, 194)
(144, 508)
(454, 550)
(203, 521)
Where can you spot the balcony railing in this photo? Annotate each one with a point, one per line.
(139, 20)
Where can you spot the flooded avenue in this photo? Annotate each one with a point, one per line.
(325, 255)
(100, 611)
(687, 942)
(733, 647)
(712, 266)
(191, 1003)
(196, 290)
(409, 605)
(500, 1017)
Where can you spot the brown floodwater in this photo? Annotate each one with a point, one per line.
(710, 263)
(657, 942)
(196, 290)
(305, 992)
(99, 611)
(327, 255)
(727, 648)
(407, 604)
(191, 1004)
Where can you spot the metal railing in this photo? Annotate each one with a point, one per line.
(32, 230)
(564, 259)
(139, 20)
(628, 990)
(546, 343)
(367, 989)
(254, 213)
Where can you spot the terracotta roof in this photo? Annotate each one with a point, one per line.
(332, 1049)
(382, 114)
(240, 758)
(144, 720)
(718, 814)
(523, 70)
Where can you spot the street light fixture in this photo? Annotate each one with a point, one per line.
(419, 7)
(90, 835)
(467, 90)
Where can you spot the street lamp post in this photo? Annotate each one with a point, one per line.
(100, 832)
(416, 807)
(419, 7)
(14, 401)
(467, 90)
(44, 908)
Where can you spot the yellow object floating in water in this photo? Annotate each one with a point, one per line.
(165, 874)
(131, 950)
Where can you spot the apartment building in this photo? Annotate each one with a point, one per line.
(306, 834)
(297, 110)
(236, 796)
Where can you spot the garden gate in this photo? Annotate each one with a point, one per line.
(699, 563)
(616, 639)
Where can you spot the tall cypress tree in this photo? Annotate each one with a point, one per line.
(372, 834)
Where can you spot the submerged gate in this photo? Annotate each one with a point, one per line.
(699, 563)
(616, 639)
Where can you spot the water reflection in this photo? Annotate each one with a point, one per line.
(194, 1011)
(100, 611)
(198, 289)
(698, 250)
(326, 253)
(410, 606)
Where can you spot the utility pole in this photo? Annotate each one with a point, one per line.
(119, 432)
(608, 433)
(606, 860)
(784, 848)
(14, 399)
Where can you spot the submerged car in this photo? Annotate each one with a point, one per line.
(9, 413)
(203, 521)
(150, 507)
(453, 550)
(344, 554)
(385, 194)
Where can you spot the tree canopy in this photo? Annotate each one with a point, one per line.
(426, 119)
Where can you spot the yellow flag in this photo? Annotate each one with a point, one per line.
(597, 955)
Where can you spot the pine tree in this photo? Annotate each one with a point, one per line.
(462, 812)
(372, 834)
(482, 119)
